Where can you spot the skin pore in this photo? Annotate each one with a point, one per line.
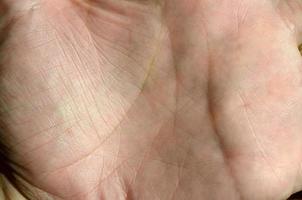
(167, 99)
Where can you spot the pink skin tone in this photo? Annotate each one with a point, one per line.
(149, 100)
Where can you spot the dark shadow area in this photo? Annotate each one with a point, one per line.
(297, 195)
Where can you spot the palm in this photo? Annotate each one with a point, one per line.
(174, 100)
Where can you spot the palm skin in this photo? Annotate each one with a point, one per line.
(171, 99)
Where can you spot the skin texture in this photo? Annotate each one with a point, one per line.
(145, 100)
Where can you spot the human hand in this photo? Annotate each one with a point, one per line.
(171, 99)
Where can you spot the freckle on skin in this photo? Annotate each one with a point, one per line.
(246, 105)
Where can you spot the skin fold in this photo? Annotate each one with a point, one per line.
(153, 99)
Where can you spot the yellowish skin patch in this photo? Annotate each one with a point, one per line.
(153, 60)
